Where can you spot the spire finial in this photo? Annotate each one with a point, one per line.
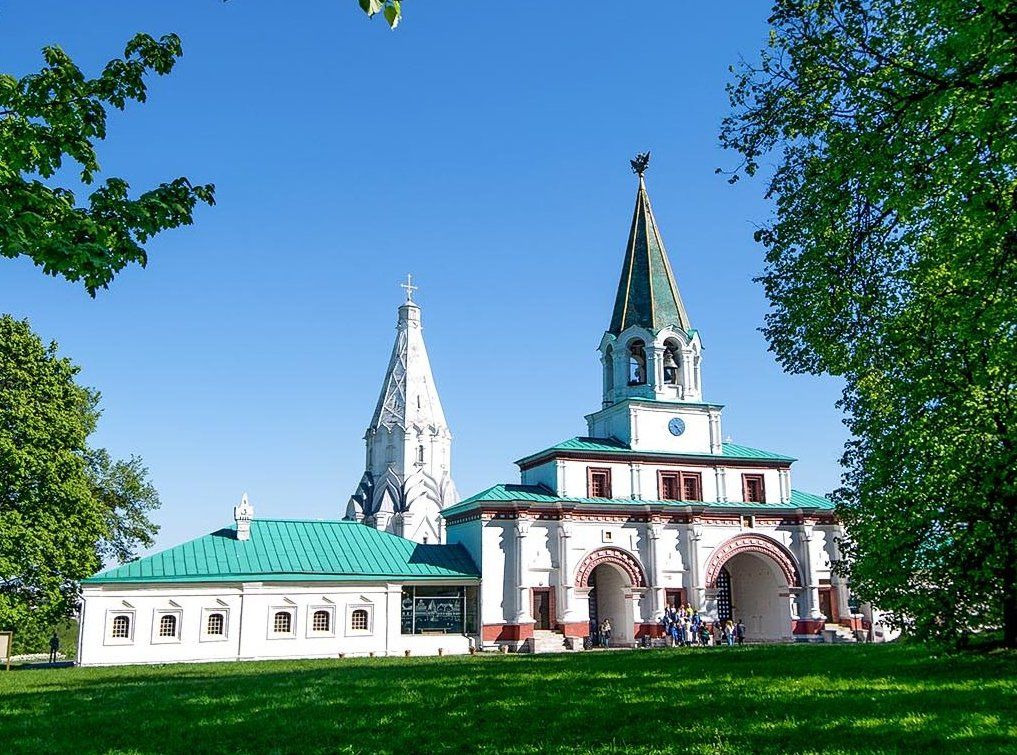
(641, 163)
(410, 288)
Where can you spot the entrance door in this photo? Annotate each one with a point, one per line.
(542, 608)
(826, 603)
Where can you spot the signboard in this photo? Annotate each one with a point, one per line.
(438, 614)
(6, 643)
(431, 610)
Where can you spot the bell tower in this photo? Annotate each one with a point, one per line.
(651, 355)
(407, 480)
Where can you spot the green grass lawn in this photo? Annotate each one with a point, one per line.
(743, 700)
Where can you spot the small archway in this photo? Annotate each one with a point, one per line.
(672, 362)
(750, 578)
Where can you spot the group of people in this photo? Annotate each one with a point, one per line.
(684, 626)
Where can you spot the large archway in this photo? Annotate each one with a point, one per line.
(610, 575)
(751, 578)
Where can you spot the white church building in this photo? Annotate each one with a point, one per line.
(649, 507)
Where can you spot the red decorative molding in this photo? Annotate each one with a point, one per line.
(507, 632)
(616, 557)
(752, 543)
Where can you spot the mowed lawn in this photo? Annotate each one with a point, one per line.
(770, 698)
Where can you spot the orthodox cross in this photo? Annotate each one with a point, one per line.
(640, 164)
(410, 288)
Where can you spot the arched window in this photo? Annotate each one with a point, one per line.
(216, 624)
(672, 362)
(168, 626)
(283, 622)
(321, 621)
(121, 627)
(637, 363)
(358, 619)
(420, 454)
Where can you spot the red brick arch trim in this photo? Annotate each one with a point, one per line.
(626, 562)
(765, 546)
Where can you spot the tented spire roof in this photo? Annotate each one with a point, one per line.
(647, 292)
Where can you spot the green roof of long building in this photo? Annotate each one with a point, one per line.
(539, 494)
(289, 550)
(611, 446)
(647, 291)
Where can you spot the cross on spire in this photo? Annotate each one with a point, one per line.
(410, 288)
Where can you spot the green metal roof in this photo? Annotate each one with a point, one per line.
(647, 292)
(543, 494)
(290, 550)
(729, 451)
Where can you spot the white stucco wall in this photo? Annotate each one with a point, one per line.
(250, 610)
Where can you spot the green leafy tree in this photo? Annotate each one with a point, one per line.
(891, 260)
(59, 114)
(64, 508)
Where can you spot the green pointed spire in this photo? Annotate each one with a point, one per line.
(647, 292)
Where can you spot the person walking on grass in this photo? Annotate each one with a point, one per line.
(729, 632)
(740, 632)
(605, 633)
(54, 646)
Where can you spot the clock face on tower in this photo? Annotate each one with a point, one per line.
(676, 426)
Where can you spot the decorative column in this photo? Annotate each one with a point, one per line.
(716, 440)
(654, 530)
(657, 366)
(697, 594)
(635, 481)
(566, 588)
(560, 477)
(523, 614)
(810, 593)
(785, 485)
(720, 474)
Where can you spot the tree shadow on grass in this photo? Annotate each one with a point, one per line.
(777, 698)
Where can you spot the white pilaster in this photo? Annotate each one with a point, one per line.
(523, 611)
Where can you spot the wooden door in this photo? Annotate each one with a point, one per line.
(826, 603)
(542, 608)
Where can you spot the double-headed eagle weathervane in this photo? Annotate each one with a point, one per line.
(640, 164)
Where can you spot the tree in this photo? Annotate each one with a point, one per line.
(64, 508)
(891, 261)
(59, 114)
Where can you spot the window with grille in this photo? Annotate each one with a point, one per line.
(216, 624)
(724, 595)
(282, 623)
(358, 619)
(669, 489)
(692, 486)
(681, 486)
(321, 621)
(121, 627)
(168, 626)
(752, 488)
(598, 483)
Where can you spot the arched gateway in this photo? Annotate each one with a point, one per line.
(610, 575)
(750, 578)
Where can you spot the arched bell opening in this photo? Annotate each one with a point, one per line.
(637, 362)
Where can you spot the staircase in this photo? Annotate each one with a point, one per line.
(547, 641)
(835, 633)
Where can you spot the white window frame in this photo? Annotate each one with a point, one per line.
(157, 615)
(274, 635)
(112, 613)
(350, 631)
(311, 610)
(204, 636)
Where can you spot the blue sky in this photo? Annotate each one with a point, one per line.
(483, 147)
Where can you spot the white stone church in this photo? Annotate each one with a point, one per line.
(650, 507)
